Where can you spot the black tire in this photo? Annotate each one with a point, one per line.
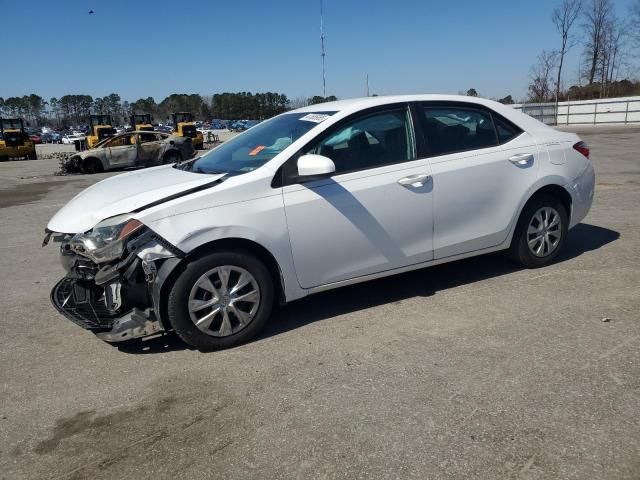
(177, 304)
(171, 157)
(33, 156)
(92, 165)
(519, 250)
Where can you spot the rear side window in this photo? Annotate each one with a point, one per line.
(506, 131)
(457, 129)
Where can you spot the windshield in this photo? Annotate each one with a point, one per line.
(257, 145)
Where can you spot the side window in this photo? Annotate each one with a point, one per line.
(122, 141)
(367, 142)
(506, 130)
(148, 137)
(456, 129)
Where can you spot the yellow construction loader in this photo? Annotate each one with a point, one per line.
(14, 141)
(101, 128)
(142, 122)
(183, 123)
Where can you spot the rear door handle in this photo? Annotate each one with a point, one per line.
(521, 159)
(417, 180)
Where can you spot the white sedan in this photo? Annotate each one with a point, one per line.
(72, 138)
(310, 200)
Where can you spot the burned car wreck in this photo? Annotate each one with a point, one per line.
(132, 149)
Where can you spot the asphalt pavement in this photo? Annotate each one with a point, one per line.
(476, 369)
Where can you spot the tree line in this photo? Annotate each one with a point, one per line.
(75, 109)
(609, 45)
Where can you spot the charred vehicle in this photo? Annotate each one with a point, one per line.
(133, 149)
(14, 141)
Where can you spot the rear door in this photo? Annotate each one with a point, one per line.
(483, 165)
(151, 148)
(373, 214)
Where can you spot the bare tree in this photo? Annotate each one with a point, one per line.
(563, 18)
(613, 55)
(541, 88)
(596, 15)
(634, 24)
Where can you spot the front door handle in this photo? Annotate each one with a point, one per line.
(522, 159)
(417, 180)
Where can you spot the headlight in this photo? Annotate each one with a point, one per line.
(106, 241)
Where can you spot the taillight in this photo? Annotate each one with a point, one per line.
(583, 148)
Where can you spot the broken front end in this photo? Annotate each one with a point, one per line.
(115, 274)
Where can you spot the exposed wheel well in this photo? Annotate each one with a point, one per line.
(172, 153)
(556, 191)
(88, 160)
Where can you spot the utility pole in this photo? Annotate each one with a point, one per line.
(368, 85)
(322, 52)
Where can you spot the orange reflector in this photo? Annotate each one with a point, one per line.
(130, 227)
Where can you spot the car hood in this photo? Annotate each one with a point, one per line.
(123, 194)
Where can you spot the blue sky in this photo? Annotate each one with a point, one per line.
(154, 48)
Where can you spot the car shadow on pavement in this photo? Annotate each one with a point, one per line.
(418, 283)
(421, 283)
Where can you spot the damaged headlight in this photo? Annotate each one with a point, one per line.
(106, 241)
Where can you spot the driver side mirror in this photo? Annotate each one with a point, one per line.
(315, 165)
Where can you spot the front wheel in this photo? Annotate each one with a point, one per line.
(540, 232)
(221, 300)
(171, 157)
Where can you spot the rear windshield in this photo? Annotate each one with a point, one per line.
(256, 146)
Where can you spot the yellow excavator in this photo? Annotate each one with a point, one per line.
(14, 141)
(142, 122)
(101, 128)
(183, 123)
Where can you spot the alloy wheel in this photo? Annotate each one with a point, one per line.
(544, 232)
(224, 300)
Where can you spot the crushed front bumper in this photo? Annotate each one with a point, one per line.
(83, 304)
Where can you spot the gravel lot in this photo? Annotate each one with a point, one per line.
(475, 369)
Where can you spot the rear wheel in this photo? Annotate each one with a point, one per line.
(33, 155)
(92, 165)
(540, 232)
(221, 300)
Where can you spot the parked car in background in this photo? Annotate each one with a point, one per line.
(35, 138)
(133, 149)
(71, 138)
(311, 200)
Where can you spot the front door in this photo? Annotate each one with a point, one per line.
(373, 214)
(122, 151)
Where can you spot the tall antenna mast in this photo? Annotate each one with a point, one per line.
(322, 52)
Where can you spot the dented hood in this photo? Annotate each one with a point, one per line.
(123, 194)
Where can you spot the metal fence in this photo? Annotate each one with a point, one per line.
(585, 112)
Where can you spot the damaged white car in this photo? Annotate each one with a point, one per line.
(311, 200)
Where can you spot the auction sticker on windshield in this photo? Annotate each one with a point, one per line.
(315, 117)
